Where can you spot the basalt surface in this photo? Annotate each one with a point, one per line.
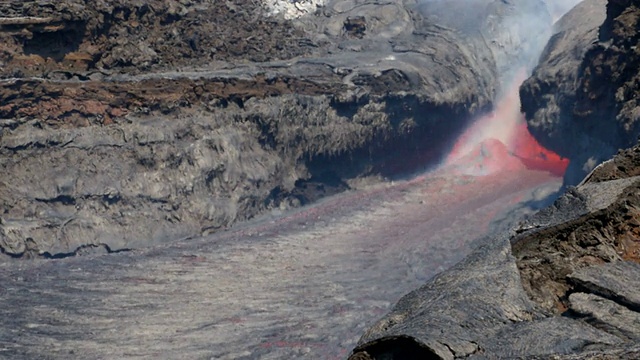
(129, 123)
(582, 98)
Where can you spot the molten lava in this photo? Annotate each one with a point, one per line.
(533, 155)
(500, 141)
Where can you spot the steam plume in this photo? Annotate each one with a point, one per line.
(500, 140)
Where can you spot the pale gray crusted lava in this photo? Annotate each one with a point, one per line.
(303, 286)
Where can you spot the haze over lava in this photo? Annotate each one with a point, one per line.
(500, 141)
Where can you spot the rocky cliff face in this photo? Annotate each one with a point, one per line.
(56, 39)
(581, 99)
(131, 123)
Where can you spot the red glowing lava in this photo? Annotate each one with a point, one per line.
(533, 155)
(500, 141)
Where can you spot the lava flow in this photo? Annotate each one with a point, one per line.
(500, 141)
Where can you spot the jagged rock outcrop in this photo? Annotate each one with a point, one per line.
(125, 124)
(581, 100)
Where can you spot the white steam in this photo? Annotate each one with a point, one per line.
(518, 31)
(292, 9)
(557, 8)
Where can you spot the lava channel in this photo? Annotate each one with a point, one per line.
(501, 141)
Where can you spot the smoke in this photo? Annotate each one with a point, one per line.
(557, 8)
(516, 32)
(500, 141)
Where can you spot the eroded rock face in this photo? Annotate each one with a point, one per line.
(581, 100)
(144, 180)
(127, 123)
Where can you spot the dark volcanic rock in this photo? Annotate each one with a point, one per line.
(131, 123)
(625, 164)
(604, 234)
(581, 100)
(460, 314)
(547, 95)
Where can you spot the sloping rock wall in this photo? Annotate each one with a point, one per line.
(581, 100)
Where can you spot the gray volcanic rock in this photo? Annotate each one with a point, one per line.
(620, 280)
(41, 38)
(150, 126)
(607, 315)
(508, 35)
(457, 315)
(548, 94)
(581, 99)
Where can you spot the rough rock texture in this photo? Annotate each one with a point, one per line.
(602, 235)
(458, 315)
(619, 278)
(43, 38)
(617, 281)
(131, 123)
(543, 291)
(581, 100)
(626, 164)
